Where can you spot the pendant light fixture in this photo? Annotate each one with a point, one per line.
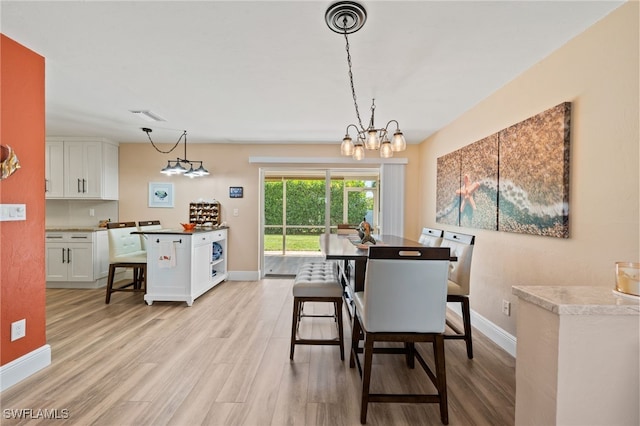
(177, 167)
(347, 17)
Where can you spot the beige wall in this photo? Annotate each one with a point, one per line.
(229, 166)
(598, 72)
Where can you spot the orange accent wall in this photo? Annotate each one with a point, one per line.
(22, 254)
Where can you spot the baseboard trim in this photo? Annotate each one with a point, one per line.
(496, 334)
(244, 276)
(23, 367)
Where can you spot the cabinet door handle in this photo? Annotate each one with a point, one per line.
(84, 185)
(79, 190)
(68, 255)
(46, 185)
(63, 261)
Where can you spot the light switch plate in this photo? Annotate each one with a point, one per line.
(9, 212)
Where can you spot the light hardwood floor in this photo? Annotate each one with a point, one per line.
(225, 361)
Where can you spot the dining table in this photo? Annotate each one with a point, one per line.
(352, 258)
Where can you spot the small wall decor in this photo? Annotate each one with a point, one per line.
(236, 192)
(9, 163)
(160, 194)
(516, 180)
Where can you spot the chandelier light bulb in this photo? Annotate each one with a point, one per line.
(347, 147)
(399, 143)
(201, 171)
(385, 149)
(358, 152)
(373, 141)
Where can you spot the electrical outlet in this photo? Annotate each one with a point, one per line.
(506, 307)
(18, 329)
(92, 212)
(236, 212)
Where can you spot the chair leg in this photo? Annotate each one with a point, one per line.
(338, 306)
(294, 325)
(441, 377)
(355, 341)
(466, 320)
(110, 278)
(410, 354)
(366, 377)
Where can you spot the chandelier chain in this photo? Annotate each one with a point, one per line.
(353, 90)
(172, 148)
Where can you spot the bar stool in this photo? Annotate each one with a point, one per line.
(125, 251)
(317, 282)
(147, 225)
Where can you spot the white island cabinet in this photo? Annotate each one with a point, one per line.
(181, 266)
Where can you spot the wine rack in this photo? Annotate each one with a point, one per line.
(204, 213)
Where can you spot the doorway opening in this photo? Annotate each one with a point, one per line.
(299, 205)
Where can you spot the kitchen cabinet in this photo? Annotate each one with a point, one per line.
(88, 169)
(54, 170)
(200, 264)
(76, 259)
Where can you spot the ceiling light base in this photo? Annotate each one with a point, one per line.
(347, 14)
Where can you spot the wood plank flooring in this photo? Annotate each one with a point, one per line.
(225, 361)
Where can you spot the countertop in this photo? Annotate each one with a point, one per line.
(179, 231)
(73, 229)
(568, 300)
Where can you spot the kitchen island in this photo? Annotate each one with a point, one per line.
(183, 265)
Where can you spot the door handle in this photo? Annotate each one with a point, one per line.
(79, 190)
(63, 256)
(84, 185)
(68, 255)
(46, 185)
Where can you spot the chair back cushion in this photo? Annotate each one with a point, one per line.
(147, 225)
(405, 290)
(431, 237)
(122, 244)
(461, 246)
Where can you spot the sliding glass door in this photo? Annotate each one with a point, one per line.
(296, 206)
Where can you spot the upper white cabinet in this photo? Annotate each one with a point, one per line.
(88, 168)
(54, 170)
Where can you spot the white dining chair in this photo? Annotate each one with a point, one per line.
(458, 287)
(404, 301)
(431, 237)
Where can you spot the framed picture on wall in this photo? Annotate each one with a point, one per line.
(235, 192)
(160, 194)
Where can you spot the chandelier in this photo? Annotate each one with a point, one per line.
(347, 17)
(177, 167)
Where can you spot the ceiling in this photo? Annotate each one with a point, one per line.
(268, 71)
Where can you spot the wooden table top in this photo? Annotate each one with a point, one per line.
(341, 246)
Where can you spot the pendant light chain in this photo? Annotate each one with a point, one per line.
(353, 90)
(144, 129)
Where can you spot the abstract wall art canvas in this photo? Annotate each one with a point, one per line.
(534, 174)
(448, 182)
(516, 180)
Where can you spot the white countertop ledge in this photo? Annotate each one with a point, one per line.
(569, 300)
